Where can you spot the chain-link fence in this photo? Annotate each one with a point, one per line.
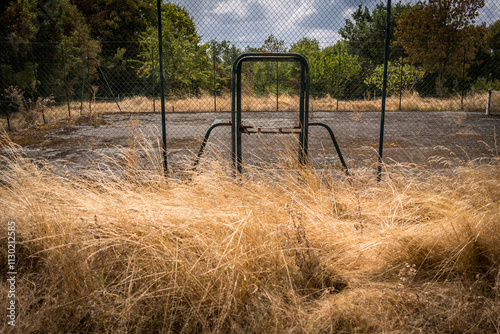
(78, 100)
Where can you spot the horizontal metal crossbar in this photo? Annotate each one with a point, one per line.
(258, 129)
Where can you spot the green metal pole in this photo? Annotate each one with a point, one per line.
(162, 89)
(83, 83)
(91, 89)
(338, 79)
(401, 81)
(384, 90)
(215, 83)
(90, 80)
(153, 75)
(64, 79)
(277, 85)
(463, 82)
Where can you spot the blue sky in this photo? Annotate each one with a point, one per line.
(250, 22)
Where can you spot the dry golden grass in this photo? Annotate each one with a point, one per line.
(204, 103)
(277, 251)
(495, 103)
(409, 102)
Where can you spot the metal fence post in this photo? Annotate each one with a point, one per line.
(384, 90)
(215, 84)
(277, 86)
(91, 90)
(401, 80)
(463, 81)
(162, 88)
(83, 82)
(153, 74)
(338, 79)
(64, 79)
(488, 102)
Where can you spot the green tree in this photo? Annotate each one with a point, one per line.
(493, 47)
(117, 22)
(330, 68)
(60, 33)
(119, 25)
(441, 36)
(268, 75)
(223, 54)
(365, 35)
(16, 21)
(308, 47)
(336, 68)
(17, 31)
(486, 67)
(398, 77)
(311, 50)
(186, 62)
(69, 43)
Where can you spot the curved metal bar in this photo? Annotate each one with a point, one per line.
(337, 148)
(205, 140)
(268, 56)
(236, 100)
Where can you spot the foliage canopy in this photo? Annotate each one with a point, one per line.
(441, 35)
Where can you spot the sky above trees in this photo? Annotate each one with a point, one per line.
(249, 22)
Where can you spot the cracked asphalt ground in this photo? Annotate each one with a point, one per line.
(409, 137)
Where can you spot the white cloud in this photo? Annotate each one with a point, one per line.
(347, 13)
(324, 37)
(236, 7)
(300, 14)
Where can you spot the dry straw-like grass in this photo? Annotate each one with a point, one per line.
(279, 250)
(410, 101)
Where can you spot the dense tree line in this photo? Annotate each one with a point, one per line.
(68, 41)
(437, 49)
(36, 38)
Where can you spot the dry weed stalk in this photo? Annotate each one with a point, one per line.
(31, 110)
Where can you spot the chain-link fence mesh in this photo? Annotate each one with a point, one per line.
(79, 97)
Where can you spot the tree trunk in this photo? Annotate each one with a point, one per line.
(8, 121)
(441, 80)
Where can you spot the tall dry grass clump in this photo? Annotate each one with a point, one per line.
(277, 250)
